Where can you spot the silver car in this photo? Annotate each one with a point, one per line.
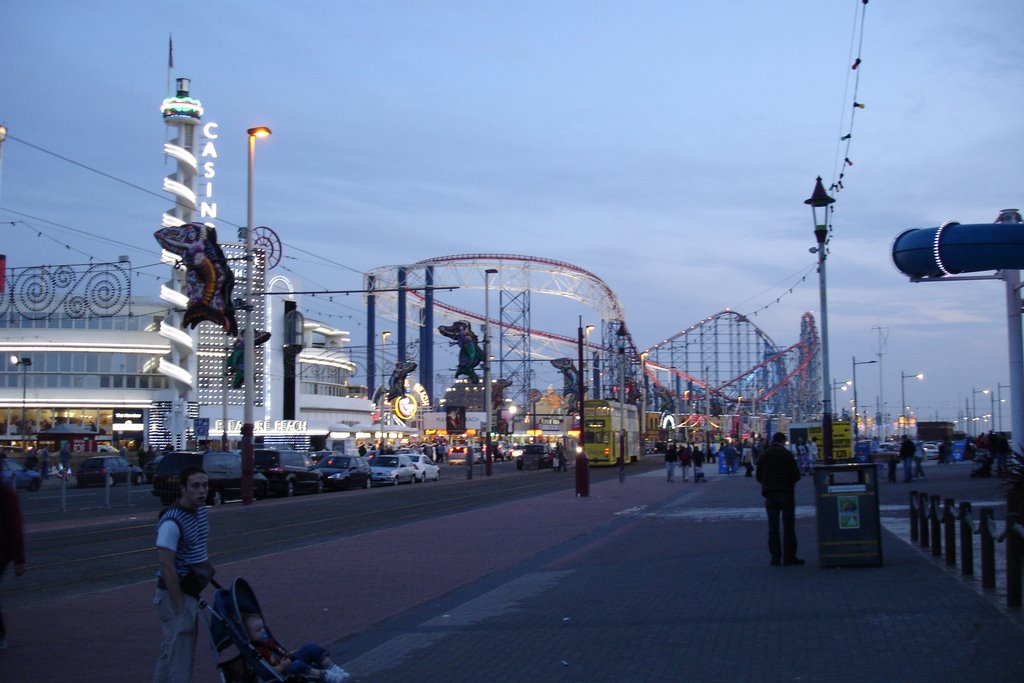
(392, 470)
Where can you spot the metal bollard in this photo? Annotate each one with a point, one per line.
(947, 521)
(966, 541)
(988, 548)
(936, 524)
(1013, 559)
(913, 516)
(922, 518)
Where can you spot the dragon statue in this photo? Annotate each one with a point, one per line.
(470, 353)
(396, 386)
(570, 379)
(208, 279)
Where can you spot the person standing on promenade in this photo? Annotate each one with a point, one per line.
(685, 455)
(12, 541)
(671, 458)
(778, 473)
(183, 571)
(748, 458)
(907, 450)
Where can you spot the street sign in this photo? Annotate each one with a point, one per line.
(202, 426)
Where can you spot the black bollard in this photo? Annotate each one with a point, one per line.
(913, 516)
(988, 549)
(966, 541)
(948, 522)
(936, 524)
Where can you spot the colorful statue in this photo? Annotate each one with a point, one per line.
(570, 379)
(470, 353)
(498, 388)
(209, 280)
(396, 387)
(236, 358)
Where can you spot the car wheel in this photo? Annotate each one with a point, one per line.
(319, 485)
(394, 480)
(35, 484)
(216, 497)
(437, 475)
(368, 484)
(139, 480)
(110, 480)
(289, 488)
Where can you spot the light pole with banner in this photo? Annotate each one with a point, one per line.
(488, 408)
(856, 408)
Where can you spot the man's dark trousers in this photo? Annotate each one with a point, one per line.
(782, 547)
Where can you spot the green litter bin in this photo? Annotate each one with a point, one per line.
(849, 523)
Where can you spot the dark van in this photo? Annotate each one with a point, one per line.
(288, 472)
(224, 468)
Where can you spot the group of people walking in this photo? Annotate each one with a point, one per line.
(687, 455)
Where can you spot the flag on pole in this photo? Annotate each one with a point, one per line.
(170, 52)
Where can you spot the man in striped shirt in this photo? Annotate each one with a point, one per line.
(181, 544)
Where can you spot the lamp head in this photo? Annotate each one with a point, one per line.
(259, 132)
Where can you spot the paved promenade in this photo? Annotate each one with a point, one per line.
(641, 581)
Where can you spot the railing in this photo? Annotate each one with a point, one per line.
(931, 525)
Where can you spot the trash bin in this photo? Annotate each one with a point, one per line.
(849, 524)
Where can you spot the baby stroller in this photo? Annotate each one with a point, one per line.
(982, 464)
(698, 475)
(227, 630)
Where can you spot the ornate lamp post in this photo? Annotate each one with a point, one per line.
(903, 395)
(819, 199)
(249, 338)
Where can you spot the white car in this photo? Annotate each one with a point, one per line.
(425, 467)
(392, 470)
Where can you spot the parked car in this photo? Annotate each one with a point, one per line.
(224, 468)
(105, 448)
(23, 478)
(288, 472)
(392, 470)
(539, 451)
(425, 467)
(101, 470)
(345, 472)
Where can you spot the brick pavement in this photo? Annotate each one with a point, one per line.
(642, 581)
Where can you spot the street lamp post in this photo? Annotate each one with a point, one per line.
(249, 338)
(24, 363)
(999, 390)
(839, 385)
(488, 408)
(974, 408)
(903, 396)
(621, 336)
(856, 407)
(383, 375)
(819, 199)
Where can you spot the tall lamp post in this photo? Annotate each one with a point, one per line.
(383, 376)
(856, 427)
(24, 363)
(839, 385)
(974, 408)
(999, 390)
(819, 199)
(621, 337)
(488, 408)
(249, 338)
(903, 395)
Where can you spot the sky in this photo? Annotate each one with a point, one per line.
(665, 146)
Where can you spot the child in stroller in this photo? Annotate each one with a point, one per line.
(310, 660)
(236, 620)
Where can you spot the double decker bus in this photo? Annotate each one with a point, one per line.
(603, 421)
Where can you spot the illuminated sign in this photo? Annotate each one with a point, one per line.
(208, 208)
(405, 406)
(265, 426)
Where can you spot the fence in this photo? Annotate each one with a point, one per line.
(934, 524)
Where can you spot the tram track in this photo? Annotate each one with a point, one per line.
(67, 562)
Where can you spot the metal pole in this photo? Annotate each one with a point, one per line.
(488, 407)
(249, 340)
(903, 402)
(819, 199)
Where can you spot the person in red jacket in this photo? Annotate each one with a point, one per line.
(12, 541)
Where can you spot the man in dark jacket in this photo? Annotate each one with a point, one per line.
(778, 474)
(907, 450)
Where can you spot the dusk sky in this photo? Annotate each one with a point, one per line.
(664, 145)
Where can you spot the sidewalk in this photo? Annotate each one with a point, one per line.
(641, 581)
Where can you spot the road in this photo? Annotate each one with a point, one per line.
(93, 548)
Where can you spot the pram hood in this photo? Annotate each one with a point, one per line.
(230, 604)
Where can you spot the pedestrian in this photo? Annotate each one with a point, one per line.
(778, 474)
(729, 453)
(560, 455)
(31, 461)
(1000, 447)
(183, 571)
(803, 454)
(685, 453)
(12, 541)
(44, 462)
(748, 458)
(812, 455)
(907, 449)
(892, 467)
(918, 461)
(65, 460)
(671, 458)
